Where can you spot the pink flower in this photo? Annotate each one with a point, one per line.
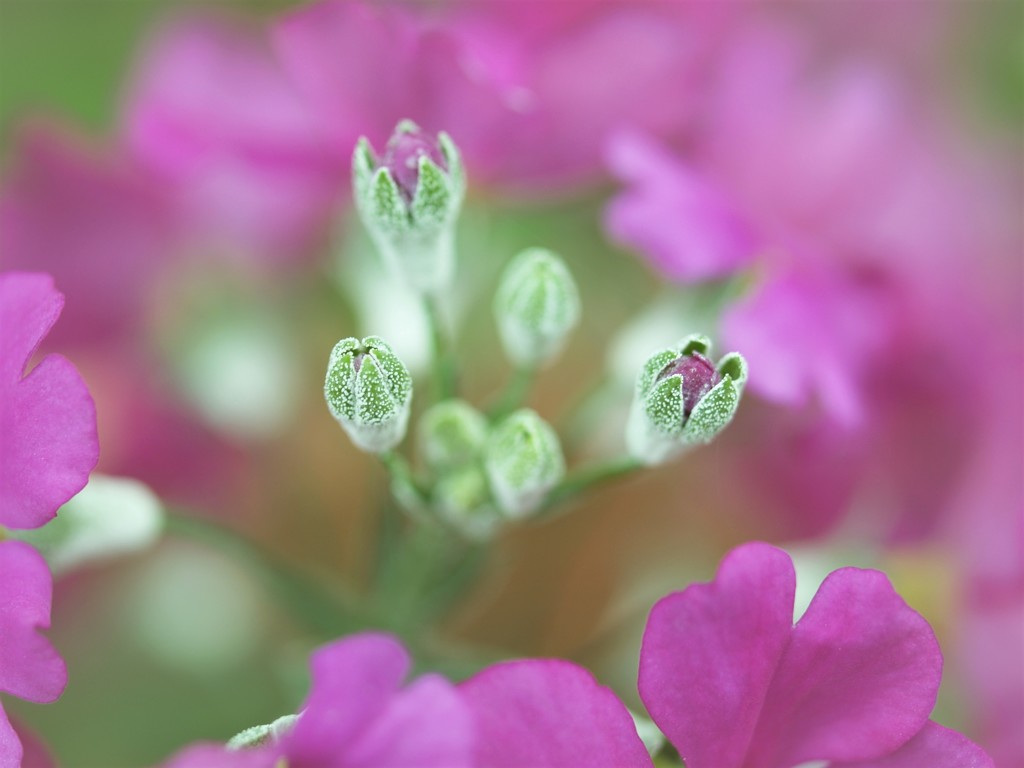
(47, 419)
(30, 667)
(357, 714)
(732, 682)
(213, 116)
(98, 225)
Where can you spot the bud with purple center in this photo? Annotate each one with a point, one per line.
(409, 200)
(368, 390)
(682, 399)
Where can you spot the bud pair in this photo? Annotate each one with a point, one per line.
(682, 399)
(409, 200)
(487, 475)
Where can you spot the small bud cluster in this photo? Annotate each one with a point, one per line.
(478, 472)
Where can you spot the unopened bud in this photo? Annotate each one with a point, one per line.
(451, 433)
(463, 498)
(368, 390)
(523, 460)
(409, 200)
(536, 306)
(682, 399)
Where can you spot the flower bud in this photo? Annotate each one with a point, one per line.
(451, 434)
(523, 460)
(682, 399)
(409, 200)
(368, 390)
(536, 306)
(462, 498)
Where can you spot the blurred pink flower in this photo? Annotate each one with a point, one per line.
(528, 91)
(548, 713)
(95, 223)
(732, 682)
(30, 667)
(677, 219)
(357, 713)
(212, 115)
(47, 418)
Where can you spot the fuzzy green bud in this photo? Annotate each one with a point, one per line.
(536, 306)
(462, 497)
(682, 400)
(368, 390)
(523, 460)
(451, 433)
(409, 200)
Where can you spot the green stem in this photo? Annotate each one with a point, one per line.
(443, 362)
(326, 611)
(583, 480)
(515, 393)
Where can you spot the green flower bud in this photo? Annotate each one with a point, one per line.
(462, 497)
(682, 400)
(368, 390)
(451, 433)
(409, 200)
(536, 306)
(523, 460)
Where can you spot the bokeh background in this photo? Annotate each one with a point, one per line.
(205, 350)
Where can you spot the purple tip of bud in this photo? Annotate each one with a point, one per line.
(699, 377)
(357, 361)
(402, 157)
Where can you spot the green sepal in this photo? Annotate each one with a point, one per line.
(456, 171)
(712, 412)
(664, 407)
(363, 162)
(339, 389)
(261, 735)
(648, 376)
(386, 208)
(374, 402)
(734, 365)
(431, 204)
(695, 342)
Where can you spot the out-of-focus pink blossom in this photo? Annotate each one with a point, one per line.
(211, 114)
(99, 226)
(549, 713)
(358, 713)
(30, 667)
(677, 219)
(732, 682)
(48, 442)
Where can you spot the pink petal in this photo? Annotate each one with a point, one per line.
(709, 653)
(858, 679)
(35, 754)
(426, 725)
(357, 714)
(10, 744)
(30, 666)
(100, 227)
(216, 756)
(549, 713)
(214, 115)
(678, 220)
(29, 306)
(934, 747)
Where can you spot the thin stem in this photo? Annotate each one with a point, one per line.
(443, 362)
(583, 480)
(326, 611)
(515, 393)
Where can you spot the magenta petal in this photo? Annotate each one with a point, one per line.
(357, 714)
(709, 653)
(934, 747)
(30, 667)
(34, 753)
(427, 725)
(216, 756)
(10, 745)
(48, 419)
(679, 221)
(545, 713)
(858, 679)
